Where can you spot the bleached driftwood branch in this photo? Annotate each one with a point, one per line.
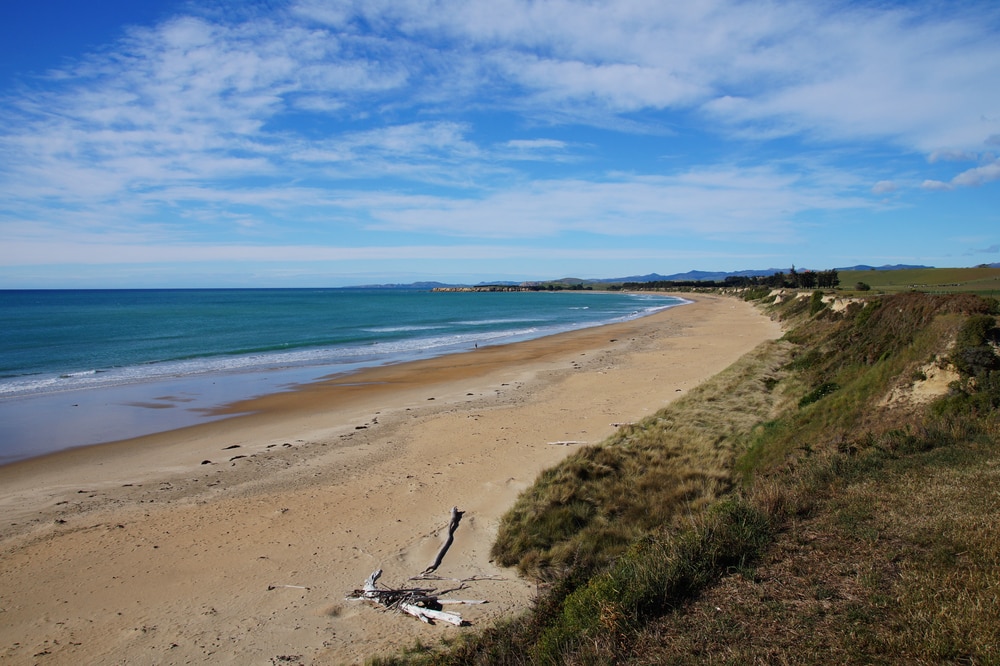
(427, 615)
(422, 603)
(418, 602)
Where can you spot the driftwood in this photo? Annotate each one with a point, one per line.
(422, 603)
(456, 518)
(567, 442)
(418, 602)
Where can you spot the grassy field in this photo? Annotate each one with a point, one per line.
(815, 503)
(981, 281)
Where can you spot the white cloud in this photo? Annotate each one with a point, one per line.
(952, 156)
(109, 252)
(535, 144)
(708, 204)
(936, 185)
(192, 84)
(618, 87)
(975, 177)
(540, 150)
(884, 187)
(908, 73)
(759, 204)
(406, 142)
(321, 103)
(978, 176)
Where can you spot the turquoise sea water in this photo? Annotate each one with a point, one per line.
(132, 362)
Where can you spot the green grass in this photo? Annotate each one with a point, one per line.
(588, 509)
(891, 555)
(981, 281)
(656, 575)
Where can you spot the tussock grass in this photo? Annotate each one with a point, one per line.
(886, 555)
(656, 575)
(587, 510)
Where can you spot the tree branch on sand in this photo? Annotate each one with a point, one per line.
(456, 518)
(418, 602)
(422, 603)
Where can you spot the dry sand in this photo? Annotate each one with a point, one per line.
(143, 552)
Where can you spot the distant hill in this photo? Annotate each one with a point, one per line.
(719, 276)
(894, 267)
(699, 276)
(411, 285)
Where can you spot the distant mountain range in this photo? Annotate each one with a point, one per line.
(703, 276)
(894, 267)
(698, 276)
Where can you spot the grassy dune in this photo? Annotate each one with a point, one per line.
(585, 512)
(785, 512)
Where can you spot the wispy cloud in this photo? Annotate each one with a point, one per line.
(909, 73)
(935, 185)
(975, 177)
(979, 175)
(952, 156)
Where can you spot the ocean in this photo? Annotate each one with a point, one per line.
(80, 367)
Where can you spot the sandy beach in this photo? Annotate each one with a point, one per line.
(236, 541)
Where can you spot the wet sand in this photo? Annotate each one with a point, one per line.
(236, 541)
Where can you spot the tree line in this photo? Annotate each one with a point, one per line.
(791, 280)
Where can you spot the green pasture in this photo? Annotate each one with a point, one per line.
(981, 281)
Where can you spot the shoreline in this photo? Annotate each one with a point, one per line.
(188, 560)
(36, 424)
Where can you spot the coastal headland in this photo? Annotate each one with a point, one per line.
(236, 541)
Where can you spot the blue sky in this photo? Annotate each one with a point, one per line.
(331, 143)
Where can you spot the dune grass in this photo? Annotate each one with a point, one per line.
(587, 510)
